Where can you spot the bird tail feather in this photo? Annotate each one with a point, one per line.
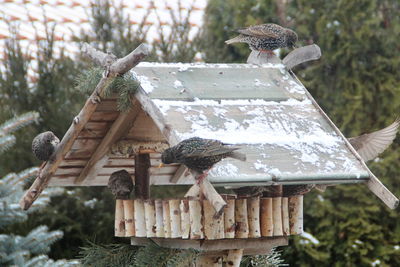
(238, 155)
(237, 39)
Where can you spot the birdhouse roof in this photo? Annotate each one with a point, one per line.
(286, 136)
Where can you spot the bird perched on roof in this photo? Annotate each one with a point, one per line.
(120, 184)
(265, 37)
(200, 154)
(44, 144)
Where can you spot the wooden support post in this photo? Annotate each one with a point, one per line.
(129, 217)
(166, 219)
(242, 225)
(158, 203)
(196, 227)
(229, 218)
(185, 218)
(296, 215)
(212, 195)
(234, 257)
(253, 212)
(142, 179)
(213, 227)
(119, 225)
(208, 261)
(382, 192)
(301, 55)
(267, 224)
(285, 216)
(150, 218)
(175, 217)
(140, 223)
(277, 215)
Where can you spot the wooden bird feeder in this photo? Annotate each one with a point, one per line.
(261, 105)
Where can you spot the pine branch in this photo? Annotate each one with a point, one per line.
(6, 142)
(271, 260)
(18, 122)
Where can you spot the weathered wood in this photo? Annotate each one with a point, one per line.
(166, 219)
(260, 58)
(213, 227)
(242, 225)
(234, 257)
(150, 218)
(382, 192)
(142, 177)
(253, 212)
(301, 55)
(277, 215)
(119, 225)
(212, 195)
(74, 171)
(159, 218)
(296, 215)
(285, 216)
(208, 261)
(175, 217)
(195, 213)
(229, 218)
(123, 123)
(129, 217)
(140, 223)
(266, 222)
(78, 124)
(194, 192)
(185, 218)
(180, 173)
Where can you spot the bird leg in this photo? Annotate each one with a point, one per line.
(201, 177)
(269, 52)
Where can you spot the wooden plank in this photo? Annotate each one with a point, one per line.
(107, 106)
(142, 176)
(94, 130)
(165, 170)
(75, 171)
(382, 192)
(181, 173)
(145, 129)
(123, 123)
(111, 162)
(103, 116)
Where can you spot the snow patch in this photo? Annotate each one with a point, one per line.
(145, 83)
(224, 170)
(310, 238)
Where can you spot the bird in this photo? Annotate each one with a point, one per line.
(120, 184)
(265, 37)
(44, 145)
(200, 155)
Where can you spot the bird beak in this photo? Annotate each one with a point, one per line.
(161, 165)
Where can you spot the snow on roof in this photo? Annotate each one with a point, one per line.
(265, 110)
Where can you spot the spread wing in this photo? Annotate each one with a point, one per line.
(370, 145)
(211, 148)
(262, 30)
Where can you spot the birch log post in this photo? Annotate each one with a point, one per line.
(114, 68)
(140, 223)
(242, 225)
(213, 227)
(212, 195)
(285, 216)
(175, 218)
(158, 203)
(129, 217)
(185, 218)
(119, 224)
(150, 218)
(267, 224)
(196, 227)
(253, 210)
(277, 215)
(296, 215)
(234, 257)
(166, 219)
(208, 261)
(229, 218)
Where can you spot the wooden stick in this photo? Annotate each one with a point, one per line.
(212, 195)
(150, 218)
(119, 225)
(285, 216)
(80, 121)
(296, 215)
(229, 218)
(253, 210)
(242, 225)
(194, 192)
(142, 176)
(140, 224)
(301, 55)
(382, 192)
(267, 224)
(166, 219)
(277, 215)
(185, 218)
(158, 203)
(175, 217)
(196, 227)
(234, 257)
(129, 217)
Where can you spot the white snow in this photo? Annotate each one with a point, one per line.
(185, 66)
(224, 170)
(310, 238)
(178, 84)
(145, 83)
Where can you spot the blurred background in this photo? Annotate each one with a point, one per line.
(356, 82)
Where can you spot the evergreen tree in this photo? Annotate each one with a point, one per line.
(26, 250)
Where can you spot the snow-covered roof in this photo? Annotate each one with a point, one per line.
(264, 109)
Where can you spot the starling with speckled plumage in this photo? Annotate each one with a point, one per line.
(200, 154)
(44, 145)
(120, 184)
(265, 37)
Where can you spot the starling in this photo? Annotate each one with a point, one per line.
(265, 37)
(44, 144)
(120, 184)
(200, 154)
